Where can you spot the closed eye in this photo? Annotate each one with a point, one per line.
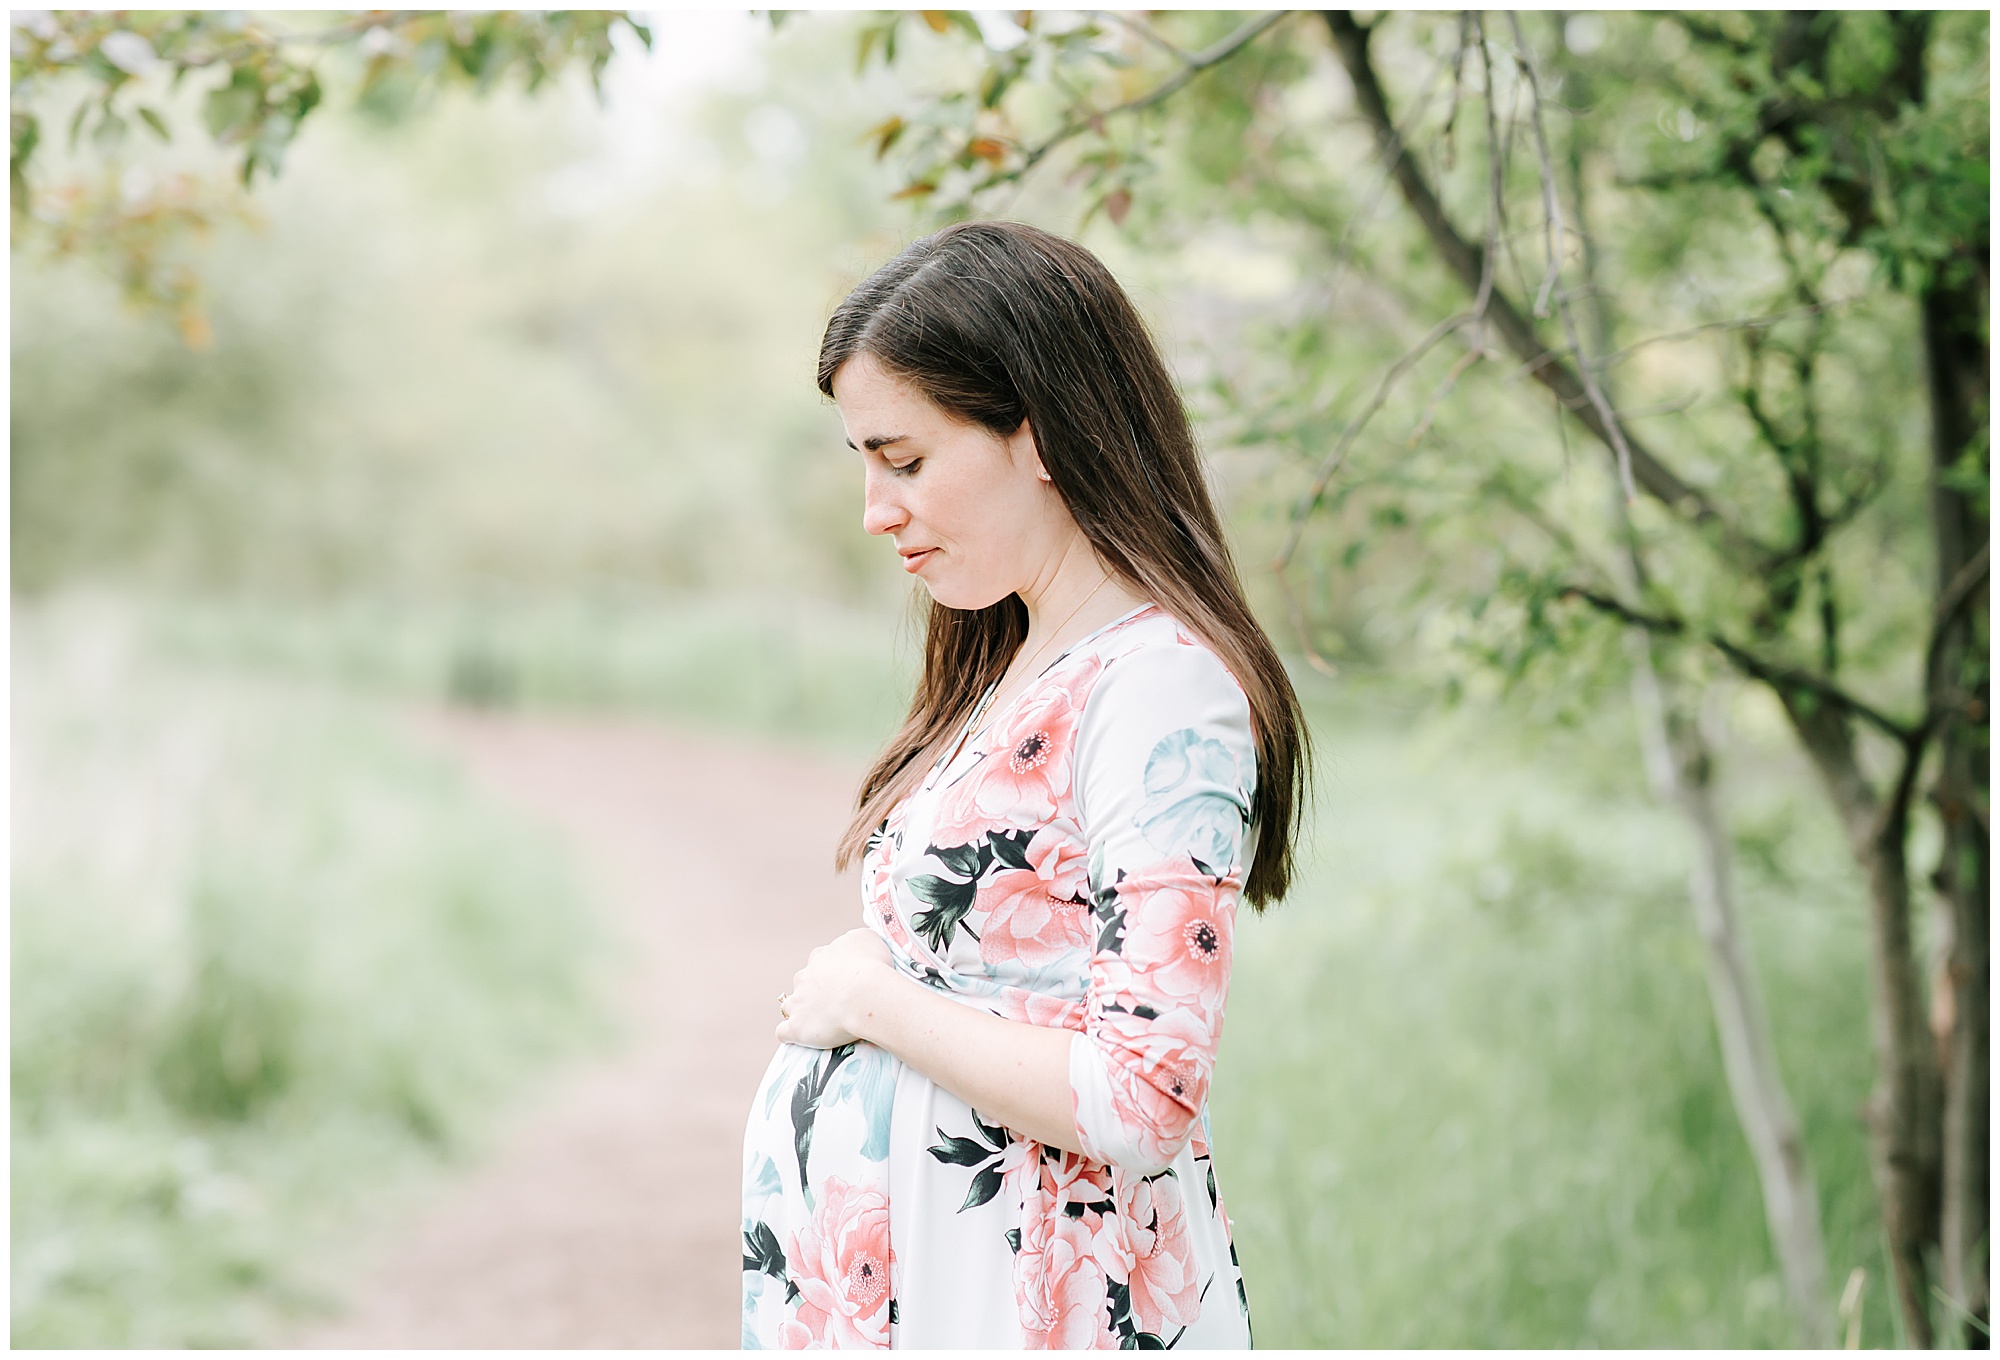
(906, 469)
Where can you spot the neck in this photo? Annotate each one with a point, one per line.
(1075, 596)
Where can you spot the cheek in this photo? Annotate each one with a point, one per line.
(975, 570)
(986, 521)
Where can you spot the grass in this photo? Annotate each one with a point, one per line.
(272, 964)
(1470, 1093)
(818, 673)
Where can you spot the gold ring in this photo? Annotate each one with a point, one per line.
(783, 1009)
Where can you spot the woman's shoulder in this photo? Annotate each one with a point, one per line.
(1163, 710)
(1155, 653)
(1156, 677)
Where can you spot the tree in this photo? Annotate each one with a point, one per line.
(252, 83)
(1794, 209)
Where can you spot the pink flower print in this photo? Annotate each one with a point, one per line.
(1038, 1008)
(1024, 775)
(1179, 929)
(1165, 1294)
(1158, 1071)
(1061, 1269)
(1035, 916)
(1060, 1284)
(882, 914)
(841, 1262)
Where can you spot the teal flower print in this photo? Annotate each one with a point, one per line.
(1195, 800)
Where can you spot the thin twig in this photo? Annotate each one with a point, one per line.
(1446, 136)
(1196, 63)
(1708, 327)
(1950, 601)
(1552, 206)
(1343, 249)
(1475, 316)
(1496, 190)
(1297, 614)
(1309, 502)
(1660, 408)
(1144, 31)
(1443, 389)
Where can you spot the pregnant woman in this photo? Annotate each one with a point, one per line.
(987, 1125)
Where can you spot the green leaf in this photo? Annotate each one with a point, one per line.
(993, 85)
(151, 118)
(1011, 847)
(956, 1151)
(963, 860)
(230, 112)
(885, 135)
(25, 131)
(985, 1186)
(109, 132)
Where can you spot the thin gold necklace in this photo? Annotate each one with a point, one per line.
(993, 694)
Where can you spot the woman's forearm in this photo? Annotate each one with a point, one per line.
(1016, 1074)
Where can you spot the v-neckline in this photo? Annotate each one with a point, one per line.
(968, 741)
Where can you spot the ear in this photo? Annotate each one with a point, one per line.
(1023, 441)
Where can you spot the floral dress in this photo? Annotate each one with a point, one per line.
(1076, 864)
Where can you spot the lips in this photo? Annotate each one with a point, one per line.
(914, 558)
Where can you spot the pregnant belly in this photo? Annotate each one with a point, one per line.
(820, 1113)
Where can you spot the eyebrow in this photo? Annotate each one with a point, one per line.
(879, 441)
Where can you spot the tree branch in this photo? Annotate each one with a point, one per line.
(1482, 298)
(1746, 323)
(1468, 263)
(1193, 64)
(1663, 624)
(1785, 679)
(1309, 502)
(1953, 598)
(1552, 231)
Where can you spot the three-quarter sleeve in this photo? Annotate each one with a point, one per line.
(1165, 775)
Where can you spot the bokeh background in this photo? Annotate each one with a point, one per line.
(501, 399)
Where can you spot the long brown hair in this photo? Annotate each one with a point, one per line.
(997, 322)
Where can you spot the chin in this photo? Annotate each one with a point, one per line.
(955, 595)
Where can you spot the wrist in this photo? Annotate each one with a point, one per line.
(872, 1001)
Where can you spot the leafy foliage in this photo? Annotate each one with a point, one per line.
(254, 81)
(1717, 186)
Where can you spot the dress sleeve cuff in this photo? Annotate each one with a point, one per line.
(1103, 1134)
(1089, 1096)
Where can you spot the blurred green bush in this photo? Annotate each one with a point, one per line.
(270, 960)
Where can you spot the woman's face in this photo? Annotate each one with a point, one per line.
(970, 512)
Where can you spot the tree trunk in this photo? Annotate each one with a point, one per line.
(1904, 1107)
(1957, 369)
(1680, 765)
(1680, 762)
(1904, 1115)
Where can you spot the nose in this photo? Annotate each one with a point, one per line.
(881, 512)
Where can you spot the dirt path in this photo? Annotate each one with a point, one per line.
(607, 1215)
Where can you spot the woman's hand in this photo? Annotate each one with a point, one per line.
(836, 989)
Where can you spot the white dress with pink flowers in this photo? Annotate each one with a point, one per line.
(1077, 864)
